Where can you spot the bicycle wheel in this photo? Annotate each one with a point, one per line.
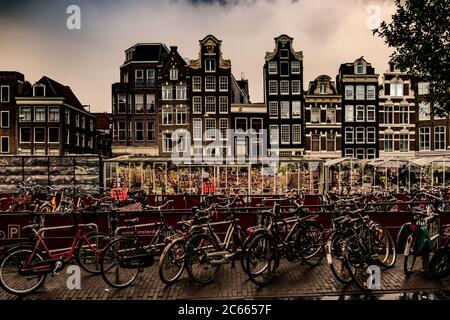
(384, 246)
(312, 251)
(10, 266)
(89, 249)
(409, 257)
(112, 268)
(171, 262)
(358, 265)
(336, 259)
(262, 259)
(439, 266)
(243, 256)
(199, 265)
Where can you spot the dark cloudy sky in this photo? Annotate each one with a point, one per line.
(35, 41)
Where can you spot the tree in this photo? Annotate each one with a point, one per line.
(420, 34)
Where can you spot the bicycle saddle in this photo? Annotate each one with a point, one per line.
(31, 226)
(132, 221)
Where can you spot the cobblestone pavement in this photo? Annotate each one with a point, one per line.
(292, 281)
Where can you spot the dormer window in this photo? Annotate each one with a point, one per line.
(284, 54)
(129, 55)
(139, 79)
(210, 65)
(360, 68)
(323, 88)
(174, 74)
(38, 90)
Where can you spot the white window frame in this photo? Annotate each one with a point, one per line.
(272, 67)
(315, 114)
(173, 74)
(35, 112)
(296, 134)
(149, 101)
(196, 83)
(284, 110)
(371, 110)
(287, 64)
(360, 110)
(181, 92)
(23, 119)
(1, 119)
(273, 87)
(352, 131)
(388, 114)
(48, 135)
(424, 111)
(285, 132)
(403, 141)
(349, 115)
(360, 130)
(210, 67)
(119, 130)
(1, 144)
(197, 129)
(223, 83)
(296, 109)
(388, 145)
(181, 117)
(223, 104)
(208, 104)
(210, 123)
(274, 134)
(371, 93)
(136, 131)
(9, 93)
(424, 132)
(223, 127)
(284, 87)
(295, 65)
(20, 135)
(368, 131)
(422, 88)
(330, 111)
(349, 92)
(166, 92)
(210, 83)
(38, 85)
(360, 93)
(150, 76)
(440, 135)
(34, 135)
(139, 101)
(273, 109)
(295, 87)
(197, 104)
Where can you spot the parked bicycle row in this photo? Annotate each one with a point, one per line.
(197, 245)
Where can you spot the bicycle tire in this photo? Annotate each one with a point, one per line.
(265, 243)
(336, 259)
(314, 253)
(88, 259)
(391, 247)
(168, 256)
(439, 266)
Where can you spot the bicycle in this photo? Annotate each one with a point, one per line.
(439, 266)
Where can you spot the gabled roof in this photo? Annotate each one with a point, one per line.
(54, 89)
(148, 52)
(180, 62)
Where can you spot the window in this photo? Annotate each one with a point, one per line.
(83, 122)
(273, 109)
(67, 116)
(424, 139)
(284, 68)
(150, 131)
(4, 94)
(331, 115)
(181, 92)
(360, 153)
(39, 114)
(39, 151)
(25, 114)
(424, 111)
(403, 115)
(166, 92)
(139, 77)
(197, 128)
(167, 142)
(349, 116)
(77, 120)
(315, 142)
(150, 103)
(371, 153)
(241, 124)
(39, 134)
(296, 134)
(323, 88)
(360, 68)
(125, 77)
(439, 138)
(371, 113)
(371, 135)
(223, 127)
(122, 131)
(360, 133)
(53, 135)
(4, 121)
(396, 89)
(139, 131)
(174, 74)
(284, 106)
(181, 115)
(139, 103)
(167, 116)
(315, 115)
(284, 87)
(349, 132)
(284, 54)
(122, 103)
(274, 134)
(285, 134)
(388, 114)
(359, 113)
(82, 140)
(295, 87)
(67, 136)
(273, 68)
(273, 87)
(151, 77)
(197, 104)
(210, 104)
(223, 83)
(404, 142)
(210, 83)
(370, 92)
(331, 142)
(388, 142)
(77, 138)
(349, 153)
(295, 67)
(90, 142)
(223, 104)
(349, 91)
(25, 135)
(423, 88)
(296, 109)
(38, 90)
(210, 129)
(360, 92)
(210, 65)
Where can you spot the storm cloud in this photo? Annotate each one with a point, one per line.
(36, 42)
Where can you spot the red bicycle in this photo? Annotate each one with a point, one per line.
(24, 268)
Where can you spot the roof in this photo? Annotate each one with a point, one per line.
(55, 89)
(102, 120)
(148, 52)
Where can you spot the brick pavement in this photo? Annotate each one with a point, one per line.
(292, 281)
